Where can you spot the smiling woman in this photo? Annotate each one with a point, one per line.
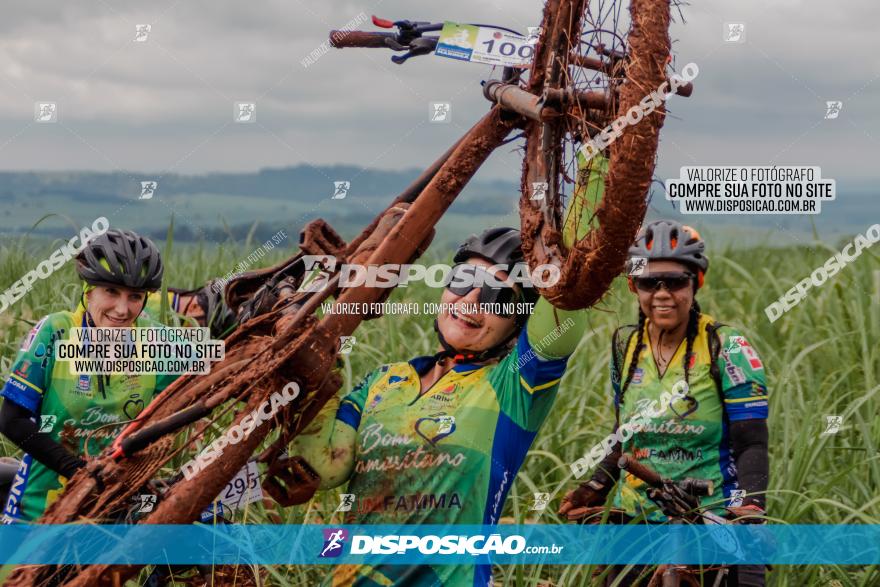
(457, 424)
(42, 398)
(718, 430)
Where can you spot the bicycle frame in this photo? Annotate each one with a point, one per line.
(305, 348)
(311, 345)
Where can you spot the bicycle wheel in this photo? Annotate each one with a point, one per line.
(592, 71)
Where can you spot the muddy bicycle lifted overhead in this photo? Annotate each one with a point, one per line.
(587, 69)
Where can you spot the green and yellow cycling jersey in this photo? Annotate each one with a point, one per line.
(448, 455)
(691, 437)
(70, 407)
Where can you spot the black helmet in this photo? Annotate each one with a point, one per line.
(671, 240)
(499, 246)
(132, 261)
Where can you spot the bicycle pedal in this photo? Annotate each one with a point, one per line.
(291, 481)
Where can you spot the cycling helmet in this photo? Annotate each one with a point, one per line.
(121, 258)
(499, 246)
(673, 241)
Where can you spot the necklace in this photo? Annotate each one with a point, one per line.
(661, 361)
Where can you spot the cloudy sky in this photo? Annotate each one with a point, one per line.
(167, 104)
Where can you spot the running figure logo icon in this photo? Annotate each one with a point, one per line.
(141, 32)
(147, 503)
(832, 425)
(734, 32)
(736, 498)
(316, 273)
(46, 112)
(346, 344)
(832, 109)
(539, 190)
(346, 500)
(148, 188)
(735, 344)
(245, 112)
(637, 265)
(340, 189)
(333, 542)
(534, 34)
(541, 501)
(47, 422)
(440, 112)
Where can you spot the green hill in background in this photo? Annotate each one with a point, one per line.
(216, 206)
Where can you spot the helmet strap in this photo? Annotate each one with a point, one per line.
(459, 356)
(89, 320)
(143, 307)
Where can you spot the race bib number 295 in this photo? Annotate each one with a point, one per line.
(243, 489)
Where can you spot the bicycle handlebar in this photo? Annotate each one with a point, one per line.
(146, 436)
(698, 487)
(691, 486)
(643, 472)
(364, 39)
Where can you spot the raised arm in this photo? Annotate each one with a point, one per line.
(554, 333)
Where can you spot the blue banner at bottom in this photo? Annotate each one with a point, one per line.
(453, 545)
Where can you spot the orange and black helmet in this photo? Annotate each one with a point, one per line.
(673, 241)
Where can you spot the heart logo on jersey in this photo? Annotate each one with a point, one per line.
(132, 408)
(435, 427)
(692, 403)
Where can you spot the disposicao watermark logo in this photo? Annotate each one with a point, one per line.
(626, 430)
(55, 261)
(441, 112)
(334, 539)
(262, 413)
(821, 274)
(475, 545)
(319, 267)
(638, 112)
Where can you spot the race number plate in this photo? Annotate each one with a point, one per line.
(485, 45)
(243, 489)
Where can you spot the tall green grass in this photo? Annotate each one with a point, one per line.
(822, 358)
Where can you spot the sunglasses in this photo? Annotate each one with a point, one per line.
(464, 278)
(671, 281)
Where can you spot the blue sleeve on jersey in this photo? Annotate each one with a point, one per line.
(348, 412)
(746, 402)
(352, 405)
(17, 392)
(28, 380)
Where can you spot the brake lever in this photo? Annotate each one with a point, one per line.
(393, 44)
(419, 46)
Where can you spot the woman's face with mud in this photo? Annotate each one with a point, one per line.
(473, 331)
